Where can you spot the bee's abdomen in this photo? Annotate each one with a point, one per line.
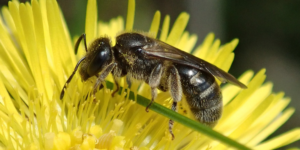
(206, 105)
(203, 95)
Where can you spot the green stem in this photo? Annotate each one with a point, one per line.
(185, 121)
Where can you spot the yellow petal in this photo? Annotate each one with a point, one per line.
(283, 139)
(203, 49)
(155, 24)
(229, 91)
(178, 28)
(187, 42)
(230, 111)
(165, 28)
(40, 45)
(130, 15)
(91, 21)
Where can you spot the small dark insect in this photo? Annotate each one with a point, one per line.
(160, 65)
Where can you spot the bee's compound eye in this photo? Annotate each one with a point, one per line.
(103, 56)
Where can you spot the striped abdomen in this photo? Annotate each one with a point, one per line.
(202, 93)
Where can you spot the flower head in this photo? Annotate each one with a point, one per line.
(37, 57)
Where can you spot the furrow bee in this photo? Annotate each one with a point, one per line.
(162, 67)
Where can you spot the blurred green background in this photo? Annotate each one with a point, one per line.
(269, 34)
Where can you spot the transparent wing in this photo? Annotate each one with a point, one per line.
(168, 52)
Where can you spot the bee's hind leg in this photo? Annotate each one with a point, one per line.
(176, 93)
(154, 81)
(171, 122)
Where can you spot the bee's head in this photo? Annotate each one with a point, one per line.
(98, 56)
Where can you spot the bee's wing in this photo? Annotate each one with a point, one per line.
(168, 52)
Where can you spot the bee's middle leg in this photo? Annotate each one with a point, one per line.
(154, 81)
(176, 93)
(117, 86)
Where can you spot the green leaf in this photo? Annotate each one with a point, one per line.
(184, 120)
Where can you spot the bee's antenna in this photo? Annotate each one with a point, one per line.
(77, 65)
(78, 42)
(70, 78)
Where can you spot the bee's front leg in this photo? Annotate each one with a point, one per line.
(101, 78)
(176, 93)
(154, 81)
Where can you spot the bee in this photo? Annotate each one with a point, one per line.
(162, 67)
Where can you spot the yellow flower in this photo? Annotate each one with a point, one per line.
(37, 57)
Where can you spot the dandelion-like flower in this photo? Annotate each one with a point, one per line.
(37, 57)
